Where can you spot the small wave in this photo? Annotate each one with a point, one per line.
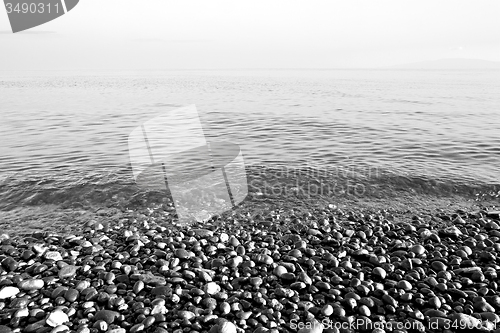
(116, 188)
(161, 105)
(398, 100)
(360, 182)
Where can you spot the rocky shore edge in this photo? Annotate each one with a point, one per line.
(326, 270)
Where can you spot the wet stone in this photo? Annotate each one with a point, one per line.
(32, 284)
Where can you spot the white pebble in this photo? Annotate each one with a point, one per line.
(211, 288)
(56, 318)
(8, 292)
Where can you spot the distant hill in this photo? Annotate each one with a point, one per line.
(451, 64)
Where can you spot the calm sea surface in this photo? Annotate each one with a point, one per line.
(62, 132)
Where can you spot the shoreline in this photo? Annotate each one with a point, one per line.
(67, 220)
(259, 272)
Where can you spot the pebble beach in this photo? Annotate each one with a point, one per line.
(373, 204)
(319, 268)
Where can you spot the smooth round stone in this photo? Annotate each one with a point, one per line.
(107, 316)
(405, 285)
(327, 310)
(10, 264)
(279, 271)
(225, 308)
(109, 277)
(438, 266)
(364, 311)
(56, 318)
(67, 271)
(255, 281)
(182, 254)
(138, 286)
(339, 312)
(265, 259)
(442, 287)
(322, 285)
(71, 295)
(418, 249)
(32, 284)
(27, 255)
(434, 302)
(8, 292)
(186, 315)
(379, 272)
(211, 288)
(431, 281)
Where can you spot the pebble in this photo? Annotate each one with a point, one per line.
(8, 292)
(53, 255)
(211, 288)
(67, 272)
(418, 249)
(405, 285)
(182, 254)
(147, 277)
(438, 266)
(379, 272)
(56, 318)
(107, 316)
(32, 284)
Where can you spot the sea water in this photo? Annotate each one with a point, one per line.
(64, 135)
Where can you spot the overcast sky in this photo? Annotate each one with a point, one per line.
(188, 34)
